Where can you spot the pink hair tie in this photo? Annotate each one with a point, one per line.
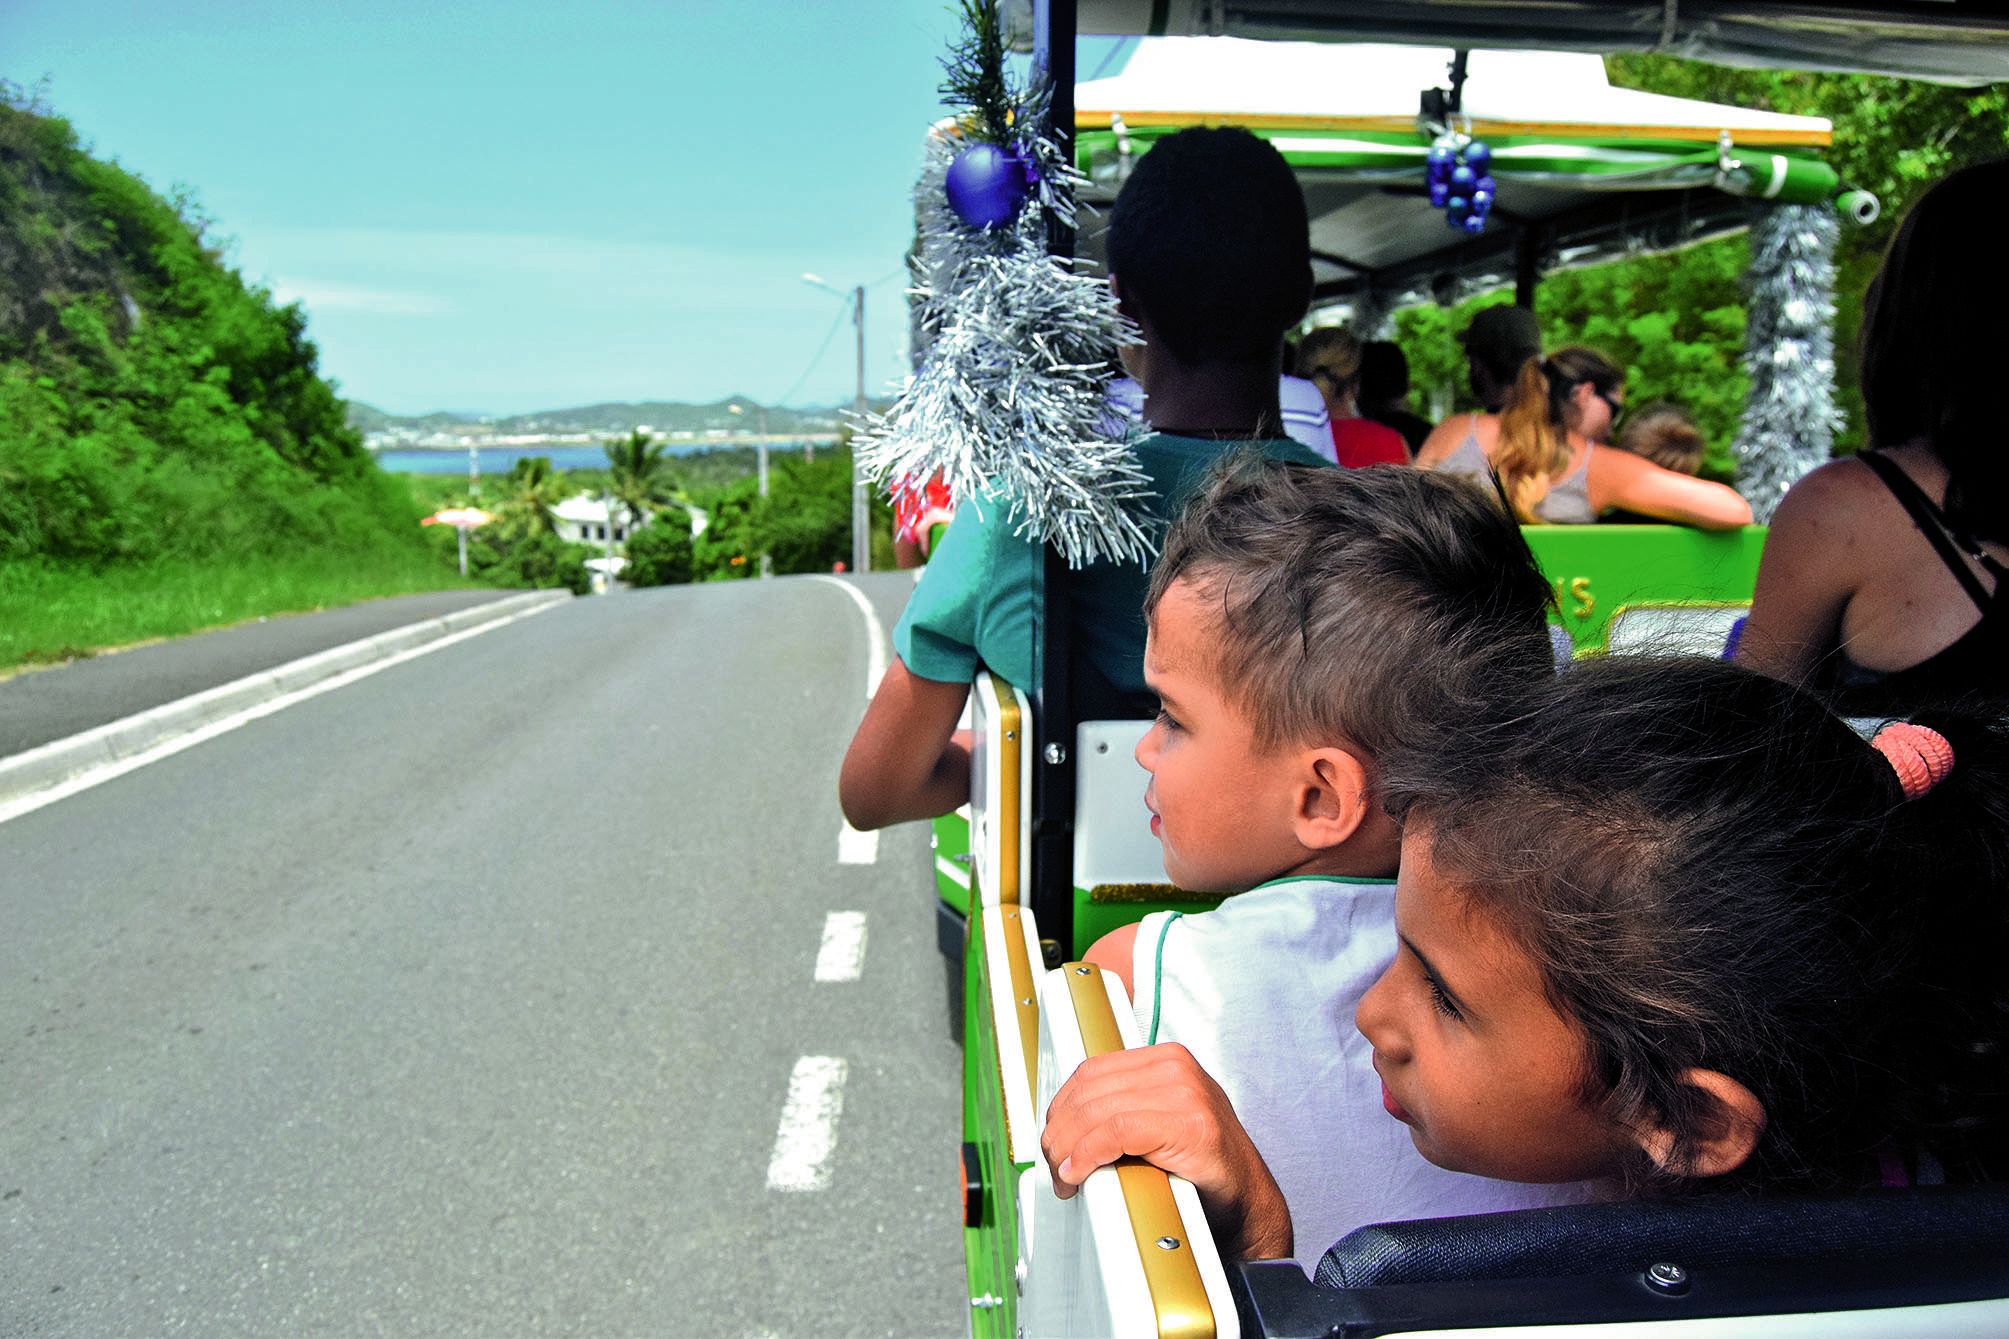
(1919, 755)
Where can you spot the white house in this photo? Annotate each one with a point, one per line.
(583, 520)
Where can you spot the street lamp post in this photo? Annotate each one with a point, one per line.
(861, 512)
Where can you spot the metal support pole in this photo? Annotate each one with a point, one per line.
(861, 509)
(1527, 264)
(461, 531)
(1054, 23)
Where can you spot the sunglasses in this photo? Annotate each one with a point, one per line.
(1611, 402)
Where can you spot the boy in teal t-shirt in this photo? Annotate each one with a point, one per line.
(1209, 253)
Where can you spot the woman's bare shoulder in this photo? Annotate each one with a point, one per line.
(1833, 496)
(1449, 435)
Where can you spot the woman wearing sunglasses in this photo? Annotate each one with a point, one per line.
(1552, 463)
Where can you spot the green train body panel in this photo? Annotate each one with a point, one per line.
(1599, 571)
(990, 1249)
(1095, 918)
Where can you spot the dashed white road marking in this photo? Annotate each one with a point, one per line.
(857, 848)
(808, 1133)
(29, 803)
(842, 956)
(875, 633)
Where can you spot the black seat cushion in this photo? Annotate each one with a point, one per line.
(1697, 1233)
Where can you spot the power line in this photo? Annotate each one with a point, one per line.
(821, 349)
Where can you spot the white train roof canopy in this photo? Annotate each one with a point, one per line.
(1585, 171)
(1953, 41)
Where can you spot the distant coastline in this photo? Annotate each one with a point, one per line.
(496, 459)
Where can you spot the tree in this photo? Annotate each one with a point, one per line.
(528, 496)
(639, 478)
(1892, 137)
(660, 554)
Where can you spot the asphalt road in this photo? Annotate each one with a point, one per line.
(465, 1000)
(40, 705)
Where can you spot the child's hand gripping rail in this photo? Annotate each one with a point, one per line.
(1130, 1254)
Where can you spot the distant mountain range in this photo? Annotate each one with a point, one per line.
(659, 415)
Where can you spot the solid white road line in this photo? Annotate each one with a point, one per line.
(808, 1133)
(97, 776)
(875, 633)
(842, 956)
(857, 848)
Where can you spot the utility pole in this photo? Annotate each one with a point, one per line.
(760, 453)
(861, 512)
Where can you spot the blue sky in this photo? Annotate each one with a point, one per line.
(513, 205)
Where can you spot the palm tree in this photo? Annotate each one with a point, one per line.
(529, 493)
(639, 476)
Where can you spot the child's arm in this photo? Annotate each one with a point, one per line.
(1619, 479)
(1156, 1103)
(907, 760)
(1112, 953)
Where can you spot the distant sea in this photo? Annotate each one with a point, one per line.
(501, 459)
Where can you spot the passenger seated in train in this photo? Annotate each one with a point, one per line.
(1668, 926)
(1883, 576)
(1331, 357)
(1210, 254)
(1302, 625)
(1384, 392)
(1498, 342)
(1552, 468)
(1664, 434)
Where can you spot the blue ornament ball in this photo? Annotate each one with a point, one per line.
(1486, 184)
(1474, 225)
(1457, 206)
(1440, 153)
(986, 186)
(1463, 177)
(1477, 155)
(1482, 200)
(1439, 193)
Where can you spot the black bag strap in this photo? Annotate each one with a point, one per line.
(1932, 523)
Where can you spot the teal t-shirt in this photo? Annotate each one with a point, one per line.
(979, 600)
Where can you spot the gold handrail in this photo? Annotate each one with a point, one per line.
(1170, 1271)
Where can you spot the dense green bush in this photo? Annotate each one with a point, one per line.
(152, 405)
(660, 553)
(803, 525)
(534, 559)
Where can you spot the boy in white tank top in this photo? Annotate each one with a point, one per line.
(1303, 624)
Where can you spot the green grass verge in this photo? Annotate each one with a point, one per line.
(52, 612)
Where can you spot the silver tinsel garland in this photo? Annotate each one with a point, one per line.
(1790, 417)
(1009, 404)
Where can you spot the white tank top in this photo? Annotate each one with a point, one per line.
(1262, 992)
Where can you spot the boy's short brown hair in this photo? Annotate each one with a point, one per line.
(1364, 606)
(1665, 435)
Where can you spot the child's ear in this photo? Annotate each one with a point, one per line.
(1331, 798)
(1727, 1134)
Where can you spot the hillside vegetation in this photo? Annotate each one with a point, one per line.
(158, 412)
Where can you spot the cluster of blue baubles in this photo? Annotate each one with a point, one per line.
(1459, 184)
